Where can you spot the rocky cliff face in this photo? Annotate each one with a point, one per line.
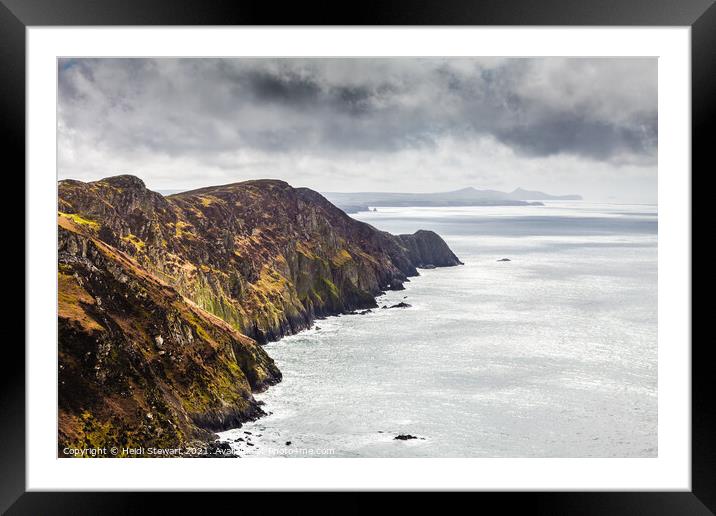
(263, 256)
(139, 365)
(427, 249)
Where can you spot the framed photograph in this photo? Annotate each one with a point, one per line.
(445, 248)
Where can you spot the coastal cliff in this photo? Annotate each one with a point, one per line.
(164, 301)
(138, 363)
(263, 256)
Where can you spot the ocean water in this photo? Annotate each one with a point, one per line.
(552, 354)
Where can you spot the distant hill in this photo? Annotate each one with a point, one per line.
(533, 195)
(360, 201)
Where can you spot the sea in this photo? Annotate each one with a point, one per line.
(550, 354)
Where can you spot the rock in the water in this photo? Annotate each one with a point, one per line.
(406, 437)
(504, 260)
(402, 304)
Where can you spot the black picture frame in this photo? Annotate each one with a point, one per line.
(17, 15)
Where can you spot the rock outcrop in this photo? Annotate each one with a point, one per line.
(427, 250)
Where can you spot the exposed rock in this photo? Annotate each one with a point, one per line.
(504, 260)
(427, 250)
(406, 437)
(402, 304)
(358, 312)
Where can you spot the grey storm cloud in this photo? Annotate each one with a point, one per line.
(603, 109)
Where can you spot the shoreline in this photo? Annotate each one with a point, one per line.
(245, 440)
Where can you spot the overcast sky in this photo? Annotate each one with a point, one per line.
(586, 126)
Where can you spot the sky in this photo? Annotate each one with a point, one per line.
(561, 125)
